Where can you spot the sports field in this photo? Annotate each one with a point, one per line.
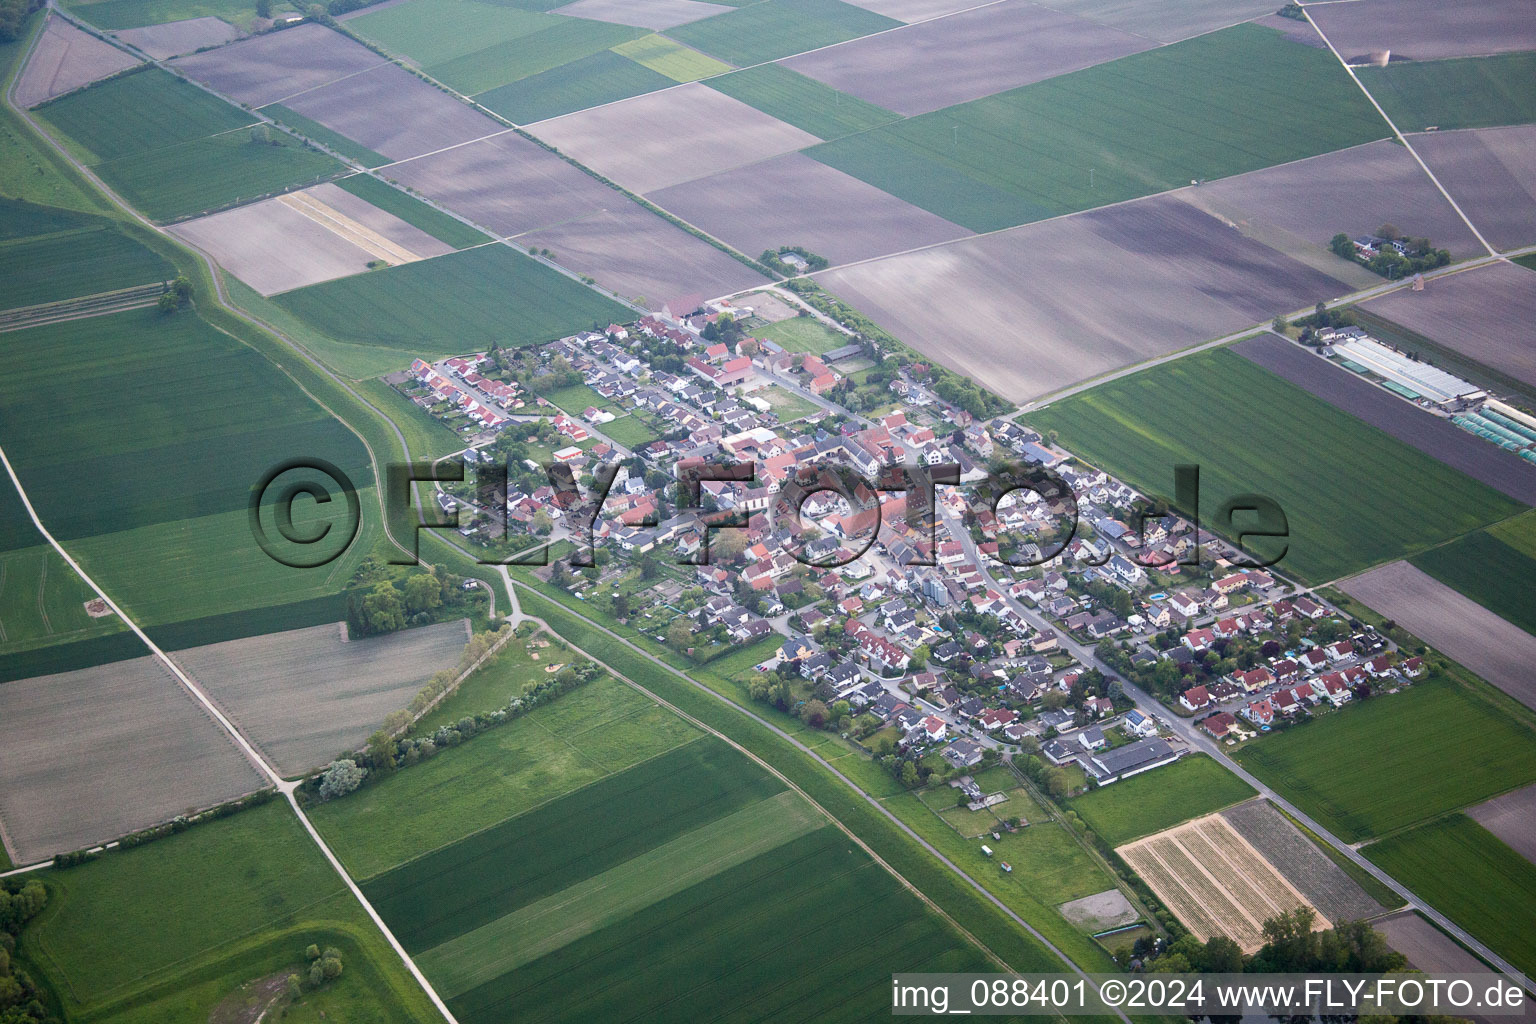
(777, 28)
(1468, 874)
(1467, 92)
(803, 102)
(1353, 495)
(1142, 124)
(173, 150)
(1494, 573)
(1436, 746)
(453, 303)
(1159, 799)
(803, 334)
(230, 901)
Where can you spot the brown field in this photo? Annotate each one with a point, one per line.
(391, 111)
(409, 236)
(914, 10)
(1511, 817)
(663, 138)
(268, 68)
(1214, 880)
(1492, 174)
(273, 247)
(652, 14)
(794, 200)
(1428, 29)
(64, 59)
(1164, 21)
(1457, 626)
(966, 56)
(1485, 314)
(1430, 434)
(89, 755)
(1354, 191)
(1057, 302)
(1323, 883)
(618, 247)
(302, 696)
(506, 184)
(163, 42)
(1426, 947)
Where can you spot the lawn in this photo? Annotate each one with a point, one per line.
(1398, 759)
(436, 223)
(667, 57)
(500, 774)
(802, 101)
(320, 133)
(1470, 875)
(1162, 798)
(115, 14)
(173, 149)
(598, 78)
(459, 303)
(577, 398)
(42, 602)
(559, 42)
(1202, 108)
(630, 431)
(228, 901)
(97, 257)
(804, 334)
(787, 404)
(1467, 92)
(1353, 495)
(1494, 574)
(777, 28)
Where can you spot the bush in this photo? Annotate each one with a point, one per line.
(341, 778)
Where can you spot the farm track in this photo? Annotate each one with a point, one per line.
(100, 304)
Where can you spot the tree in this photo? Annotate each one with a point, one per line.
(1058, 783)
(1342, 247)
(815, 714)
(382, 749)
(909, 776)
(182, 286)
(1220, 955)
(167, 303)
(679, 634)
(919, 659)
(341, 778)
(295, 986)
(312, 952)
(422, 593)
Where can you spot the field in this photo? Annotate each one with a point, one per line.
(165, 41)
(631, 432)
(1466, 873)
(1489, 571)
(601, 728)
(1491, 173)
(1472, 92)
(787, 404)
(433, 31)
(42, 602)
(1431, 748)
(654, 14)
(30, 169)
(96, 256)
(454, 303)
(64, 59)
(1157, 20)
(1426, 30)
(1511, 818)
(1426, 946)
(777, 28)
(71, 776)
(793, 200)
(1214, 880)
(966, 56)
(803, 334)
(172, 150)
(1324, 884)
(1159, 799)
(1454, 623)
(801, 101)
(557, 43)
(598, 78)
(414, 212)
(1145, 123)
(274, 246)
(631, 141)
(266, 68)
(668, 57)
(231, 900)
(302, 696)
(318, 132)
(1432, 435)
(114, 14)
(1139, 427)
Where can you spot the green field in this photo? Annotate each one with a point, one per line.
(631, 432)
(586, 735)
(1467, 92)
(435, 31)
(441, 226)
(560, 42)
(668, 57)
(173, 150)
(134, 13)
(454, 303)
(589, 81)
(777, 28)
(96, 257)
(787, 404)
(1162, 798)
(1494, 574)
(42, 602)
(803, 334)
(1202, 108)
(320, 133)
(30, 169)
(1470, 875)
(1528, 261)
(1519, 533)
(1353, 495)
(1436, 746)
(228, 901)
(801, 101)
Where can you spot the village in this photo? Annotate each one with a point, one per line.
(907, 630)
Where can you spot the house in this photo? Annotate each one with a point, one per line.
(1132, 759)
(996, 718)
(1093, 738)
(1413, 668)
(1138, 724)
(1313, 660)
(1260, 712)
(1219, 724)
(1099, 706)
(1339, 650)
(1199, 640)
(933, 728)
(1308, 607)
(1287, 701)
(1195, 698)
(963, 753)
(1255, 679)
(1331, 688)
(1379, 666)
